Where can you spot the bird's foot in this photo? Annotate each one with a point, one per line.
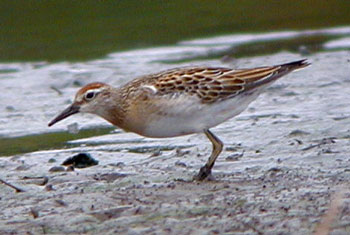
(204, 174)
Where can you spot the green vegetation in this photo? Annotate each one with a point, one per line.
(58, 30)
(24, 144)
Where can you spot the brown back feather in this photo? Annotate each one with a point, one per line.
(212, 84)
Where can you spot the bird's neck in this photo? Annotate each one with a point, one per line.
(114, 107)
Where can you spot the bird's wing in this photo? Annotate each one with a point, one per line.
(212, 84)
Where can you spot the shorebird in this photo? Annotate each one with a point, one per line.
(179, 101)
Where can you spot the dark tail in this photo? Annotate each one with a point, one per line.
(279, 71)
(288, 67)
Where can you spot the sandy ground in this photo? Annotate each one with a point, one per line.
(285, 168)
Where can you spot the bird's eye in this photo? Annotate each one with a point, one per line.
(90, 95)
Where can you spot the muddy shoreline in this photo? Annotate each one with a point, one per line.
(286, 162)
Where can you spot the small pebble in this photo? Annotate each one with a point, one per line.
(180, 164)
(181, 152)
(61, 202)
(57, 169)
(234, 157)
(298, 133)
(109, 177)
(52, 160)
(156, 153)
(23, 167)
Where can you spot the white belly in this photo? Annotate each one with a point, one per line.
(187, 116)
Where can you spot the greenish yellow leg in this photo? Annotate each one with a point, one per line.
(205, 171)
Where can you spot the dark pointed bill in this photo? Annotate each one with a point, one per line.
(73, 109)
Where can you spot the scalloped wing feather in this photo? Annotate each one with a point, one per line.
(212, 84)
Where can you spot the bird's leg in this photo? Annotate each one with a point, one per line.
(205, 171)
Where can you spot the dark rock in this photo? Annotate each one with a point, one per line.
(81, 160)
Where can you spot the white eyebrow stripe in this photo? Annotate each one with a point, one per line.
(81, 97)
(94, 90)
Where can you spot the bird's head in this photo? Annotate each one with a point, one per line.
(92, 98)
